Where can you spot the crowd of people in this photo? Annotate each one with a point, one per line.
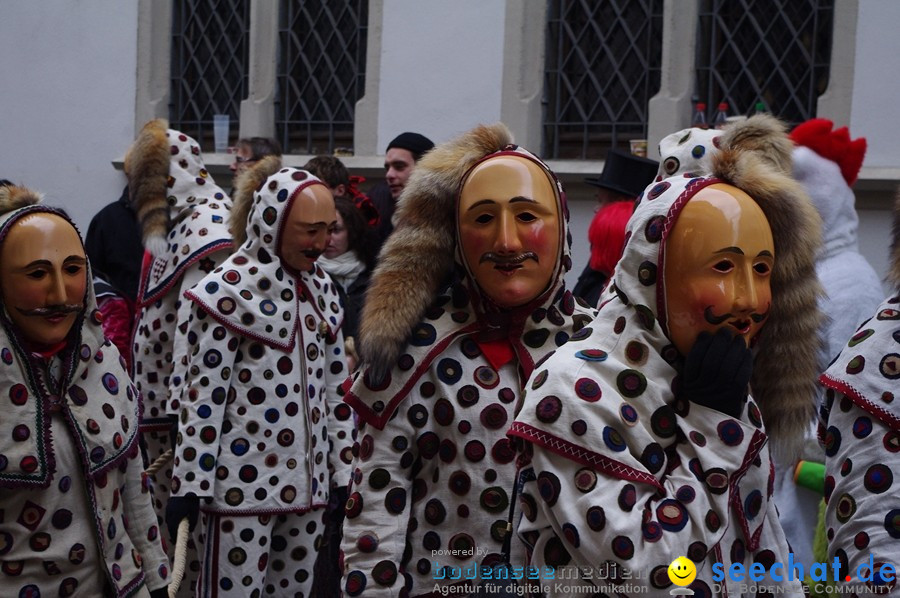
(391, 391)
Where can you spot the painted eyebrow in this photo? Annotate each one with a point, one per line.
(516, 199)
(736, 250)
(48, 264)
(765, 253)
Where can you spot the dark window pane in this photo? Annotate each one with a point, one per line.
(210, 49)
(602, 67)
(774, 51)
(321, 73)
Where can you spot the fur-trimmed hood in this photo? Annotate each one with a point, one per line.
(412, 329)
(183, 214)
(249, 182)
(755, 155)
(419, 254)
(690, 151)
(166, 177)
(785, 367)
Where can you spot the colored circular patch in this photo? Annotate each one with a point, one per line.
(856, 365)
(549, 409)
(730, 432)
(623, 547)
(591, 355)
(629, 414)
(631, 383)
(585, 479)
(613, 440)
(753, 504)
(845, 508)
(548, 487)
(663, 422)
(672, 516)
(647, 274)
(588, 390)
(878, 479)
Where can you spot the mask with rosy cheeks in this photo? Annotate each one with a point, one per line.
(307, 227)
(719, 257)
(43, 277)
(509, 229)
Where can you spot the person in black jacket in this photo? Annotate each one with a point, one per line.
(623, 178)
(113, 244)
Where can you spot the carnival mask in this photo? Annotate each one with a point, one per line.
(307, 226)
(43, 277)
(509, 229)
(718, 263)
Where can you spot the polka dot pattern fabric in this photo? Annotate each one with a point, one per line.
(434, 470)
(860, 432)
(687, 152)
(198, 211)
(614, 464)
(261, 426)
(73, 509)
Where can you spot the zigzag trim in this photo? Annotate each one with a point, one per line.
(855, 395)
(579, 454)
(147, 296)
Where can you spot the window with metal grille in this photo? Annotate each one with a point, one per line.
(773, 51)
(321, 74)
(602, 67)
(210, 50)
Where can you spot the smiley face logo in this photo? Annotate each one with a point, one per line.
(682, 571)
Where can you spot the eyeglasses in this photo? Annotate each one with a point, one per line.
(243, 160)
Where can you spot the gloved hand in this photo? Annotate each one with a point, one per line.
(717, 372)
(160, 593)
(177, 509)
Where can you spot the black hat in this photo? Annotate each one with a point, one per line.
(625, 173)
(416, 144)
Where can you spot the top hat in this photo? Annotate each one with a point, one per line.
(625, 173)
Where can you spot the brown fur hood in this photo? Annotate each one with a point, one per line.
(419, 253)
(13, 197)
(147, 168)
(785, 368)
(247, 184)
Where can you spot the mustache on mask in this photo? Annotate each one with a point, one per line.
(508, 260)
(312, 253)
(713, 319)
(52, 310)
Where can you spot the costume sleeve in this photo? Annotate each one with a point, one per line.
(584, 516)
(183, 307)
(378, 510)
(207, 385)
(142, 528)
(340, 420)
(862, 516)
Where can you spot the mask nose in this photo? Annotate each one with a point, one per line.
(508, 235)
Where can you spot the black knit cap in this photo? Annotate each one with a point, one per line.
(416, 144)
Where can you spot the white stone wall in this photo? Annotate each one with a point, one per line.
(67, 72)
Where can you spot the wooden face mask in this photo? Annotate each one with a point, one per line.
(43, 277)
(307, 227)
(509, 225)
(719, 259)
